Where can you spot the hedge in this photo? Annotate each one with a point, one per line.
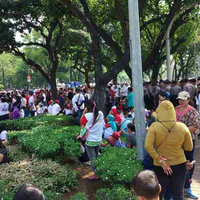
(48, 141)
(31, 122)
(117, 165)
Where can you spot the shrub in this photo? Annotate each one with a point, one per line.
(52, 178)
(117, 193)
(50, 141)
(79, 196)
(32, 122)
(15, 153)
(118, 165)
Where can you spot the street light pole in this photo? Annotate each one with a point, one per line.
(136, 65)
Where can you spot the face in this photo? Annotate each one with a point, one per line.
(183, 103)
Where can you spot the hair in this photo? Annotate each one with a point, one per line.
(92, 107)
(78, 90)
(164, 94)
(130, 89)
(145, 184)
(131, 127)
(27, 192)
(3, 100)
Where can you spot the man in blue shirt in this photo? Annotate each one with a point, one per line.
(130, 99)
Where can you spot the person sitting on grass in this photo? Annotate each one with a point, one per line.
(110, 126)
(146, 185)
(114, 140)
(131, 136)
(27, 192)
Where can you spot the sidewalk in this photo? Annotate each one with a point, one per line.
(196, 176)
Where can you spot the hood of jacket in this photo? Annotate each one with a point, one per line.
(111, 118)
(165, 113)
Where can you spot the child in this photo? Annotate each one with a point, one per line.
(146, 186)
(110, 126)
(114, 140)
(131, 137)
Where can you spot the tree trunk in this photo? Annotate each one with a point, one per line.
(4, 78)
(87, 81)
(100, 96)
(53, 85)
(155, 73)
(115, 81)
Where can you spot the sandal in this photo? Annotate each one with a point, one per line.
(93, 177)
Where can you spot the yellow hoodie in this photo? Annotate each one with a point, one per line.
(179, 138)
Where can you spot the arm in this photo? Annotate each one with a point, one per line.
(188, 144)
(149, 144)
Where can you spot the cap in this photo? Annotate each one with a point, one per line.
(183, 95)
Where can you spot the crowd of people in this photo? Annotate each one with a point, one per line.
(172, 123)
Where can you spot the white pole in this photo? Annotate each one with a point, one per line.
(136, 65)
(168, 55)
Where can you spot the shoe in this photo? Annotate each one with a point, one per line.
(93, 177)
(188, 193)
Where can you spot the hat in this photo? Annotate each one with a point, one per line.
(183, 95)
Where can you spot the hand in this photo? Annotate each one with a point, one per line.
(166, 168)
(189, 165)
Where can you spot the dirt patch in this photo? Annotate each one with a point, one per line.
(85, 185)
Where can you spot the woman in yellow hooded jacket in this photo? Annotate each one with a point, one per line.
(165, 142)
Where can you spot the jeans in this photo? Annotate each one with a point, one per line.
(26, 113)
(92, 154)
(189, 156)
(176, 180)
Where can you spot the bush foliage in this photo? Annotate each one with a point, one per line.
(118, 165)
(79, 196)
(31, 122)
(52, 178)
(48, 141)
(118, 192)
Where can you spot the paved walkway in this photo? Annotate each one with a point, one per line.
(196, 176)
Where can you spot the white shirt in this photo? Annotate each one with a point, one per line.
(31, 102)
(124, 91)
(133, 114)
(23, 102)
(117, 92)
(4, 108)
(55, 109)
(79, 98)
(50, 109)
(96, 132)
(68, 111)
(3, 135)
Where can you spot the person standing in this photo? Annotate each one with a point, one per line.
(175, 90)
(190, 117)
(130, 99)
(93, 120)
(78, 103)
(166, 141)
(4, 109)
(31, 104)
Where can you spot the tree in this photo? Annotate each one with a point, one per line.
(47, 18)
